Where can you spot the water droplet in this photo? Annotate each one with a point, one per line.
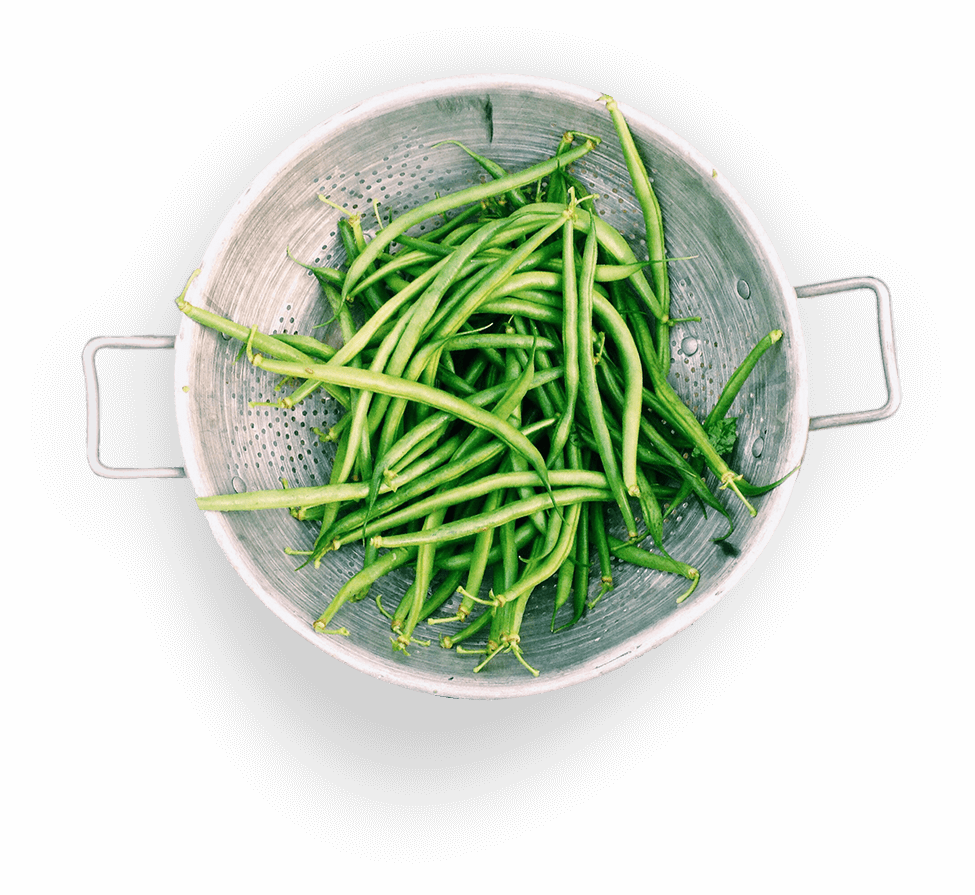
(239, 485)
(689, 346)
(758, 446)
(743, 289)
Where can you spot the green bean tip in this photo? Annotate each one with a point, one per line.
(181, 302)
(695, 576)
(322, 628)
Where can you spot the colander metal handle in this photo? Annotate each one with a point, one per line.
(888, 356)
(94, 427)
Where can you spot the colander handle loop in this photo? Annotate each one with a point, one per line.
(888, 355)
(94, 426)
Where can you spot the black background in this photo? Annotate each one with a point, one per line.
(815, 154)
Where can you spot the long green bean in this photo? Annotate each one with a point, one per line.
(589, 389)
(518, 509)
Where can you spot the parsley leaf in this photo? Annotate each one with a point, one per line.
(722, 434)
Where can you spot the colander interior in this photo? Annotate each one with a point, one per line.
(382, 155)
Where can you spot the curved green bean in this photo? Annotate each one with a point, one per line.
(644, 558)
(455, 200)
(519, 509)
(653, 221)
(737, 380)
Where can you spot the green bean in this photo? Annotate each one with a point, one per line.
(687, 473)
(359, 433)
(450, 641)
(619, 332)
(456, 200)
(362, 581)
(413, 483)
(640, 557)
(509, 400)
(597, 530)
(576, 575)
(447, 230)
(518, 509)
(570, 340)
(652, 511)
(563, 588)
(515, 196)
(605, 273)
(589, 389)
(653, 220)
(387, 312)
(733, 385)
(350, 230)
(580, 576)
(522, 307)
(424, 575)
(283, 498)
(309, 345)
(513, 370)
(443, 592)
(478, 562)
(633, 388)
(679, 414)
(614, 244)
(693, 430)
(466, 341)
(557, 190)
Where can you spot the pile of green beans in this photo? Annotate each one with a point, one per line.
(507, 408)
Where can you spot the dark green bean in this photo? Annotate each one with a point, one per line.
(589, 389)
(640, 557)
(597, 531)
